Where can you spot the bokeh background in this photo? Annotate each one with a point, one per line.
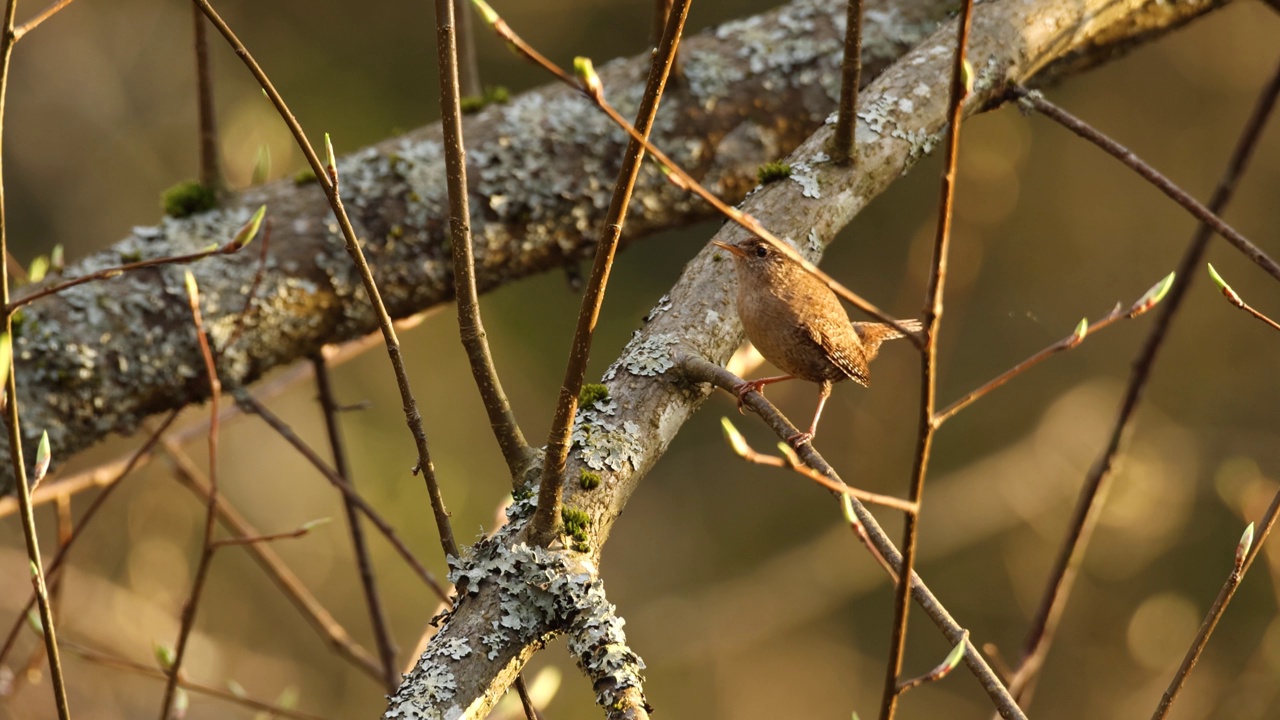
(743, 591)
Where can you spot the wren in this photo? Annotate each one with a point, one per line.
(798, 324)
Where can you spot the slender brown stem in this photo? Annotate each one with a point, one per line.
(359, 546)
(108, 487)
(1151, 175)
(210, 167)
(515, 450)
(325, 625)
(211, 508)
(1238, 568)
(530, 711)
(928, 368)
(700, 370)
(685, 181)
(1084, 518)
(940, 671)
(468, 68)
(1239, 302)
(119, 663)
(45, 14)
(10, 381)
(327, 178)
(793, 462)
(844, 143)
(1148, 301)
(251, 404)
(108, 273)
(546, 519)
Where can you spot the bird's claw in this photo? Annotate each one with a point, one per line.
(800, 438)
(741, 391)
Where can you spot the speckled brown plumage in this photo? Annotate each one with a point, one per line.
(798, 324)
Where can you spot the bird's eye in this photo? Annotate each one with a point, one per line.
(762, 251)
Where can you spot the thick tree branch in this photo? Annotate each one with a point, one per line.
(619, 440)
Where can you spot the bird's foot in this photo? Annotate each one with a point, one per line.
(742, 389)
(800, 438)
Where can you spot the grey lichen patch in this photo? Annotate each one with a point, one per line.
(803, 174)
(813, 242)
(787, 46)
(664, 304)
(602, 444)
(423, 691)
(643, 355)
(539, 591)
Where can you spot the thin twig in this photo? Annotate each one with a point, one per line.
(1083, 330)
(700, 370)
(792, 462)
(1238, 301)
(515, 450)
(843, 142)
(1058, 587)
(327, 177)
(251, 404)
(230, 248)
(682, 179)
(1245, 552)
(120, 663)
(10, 382)
(526, 702)
(359, 546)
(45, 14)
(1153, 176)
(325, 625)
(210, 167)
(108, 487)
(928, 366)
(211, 506)
(546, 519)
(939, 671)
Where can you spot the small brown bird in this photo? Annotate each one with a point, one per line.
(798, 324)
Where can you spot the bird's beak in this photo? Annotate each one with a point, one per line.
(731, 248)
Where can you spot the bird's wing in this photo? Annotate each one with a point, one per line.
(841, 345)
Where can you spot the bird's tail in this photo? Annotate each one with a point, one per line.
(874, 333)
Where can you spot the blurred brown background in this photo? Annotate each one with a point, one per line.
(743, 591)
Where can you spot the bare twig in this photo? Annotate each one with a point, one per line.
(251, 404)
(327, 177)
(1238, 301)
(211, 506)
(325, 625)
(359, 546)
(210, 167)
(1151, 175)
(1246, 550)
(9, 378)
(1084, 518)
(119, 663)
(526, 702)
(515, 450)
(34, 22)
(1083, 330)
(790, 461)
(108, 486)
(698, 369)
(960, 81)
(242, 238)
(546, 519)
(843, 142)
(940, 671)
